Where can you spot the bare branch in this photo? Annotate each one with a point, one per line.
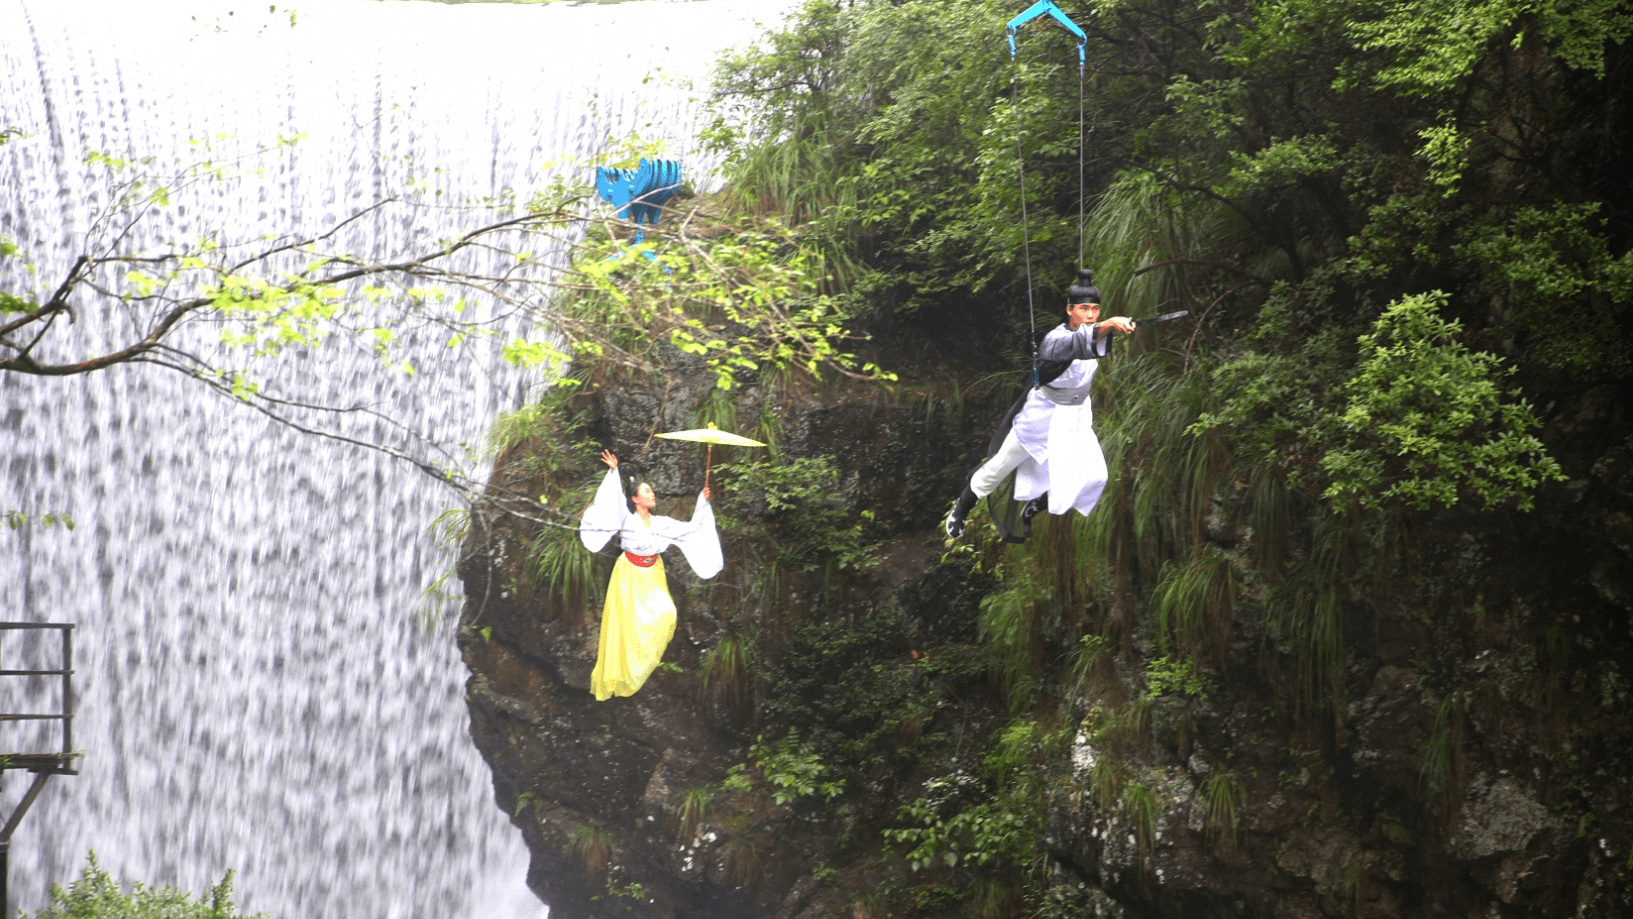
(269, 253)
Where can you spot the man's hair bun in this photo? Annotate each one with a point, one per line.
(1084, 290)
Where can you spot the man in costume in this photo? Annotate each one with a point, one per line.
(638, 618)
(1047, 440)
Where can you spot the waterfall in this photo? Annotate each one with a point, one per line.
(258, 686)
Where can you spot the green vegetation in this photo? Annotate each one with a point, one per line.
(1400, 249)
(1222, 796)
(791, 769)
(1165, 676)
(693, 811)
(802, 501)
(984, 835)
(855, 693)
(731, 668)
(738, 292)
(1384, 278)
(1426, 421)
(16, 520)
(631, 891)
(1440, 760)
(592, 850)
(1141, 807)
(525, 800)
(96, 895)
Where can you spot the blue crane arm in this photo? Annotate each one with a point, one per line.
(1048, 7)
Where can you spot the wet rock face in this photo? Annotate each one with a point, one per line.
(600, 790)
(593, 785)
(1475, 763)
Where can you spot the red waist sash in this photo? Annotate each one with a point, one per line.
(641, 561)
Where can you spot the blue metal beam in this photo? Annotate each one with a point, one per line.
(1043, 7)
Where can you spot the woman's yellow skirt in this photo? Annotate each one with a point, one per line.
(636, 624)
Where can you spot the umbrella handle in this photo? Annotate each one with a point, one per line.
(706, 464)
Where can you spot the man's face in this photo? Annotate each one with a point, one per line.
(1079, 313)
(644, 496)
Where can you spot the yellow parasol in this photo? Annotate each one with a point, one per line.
(711, 435)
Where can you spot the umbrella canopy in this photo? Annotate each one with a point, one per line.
(712, 435)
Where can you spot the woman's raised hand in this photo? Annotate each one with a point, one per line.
(705, 492)
(609, 459)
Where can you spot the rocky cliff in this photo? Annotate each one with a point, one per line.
(844, 727)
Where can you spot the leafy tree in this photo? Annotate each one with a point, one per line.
(1289, 171)
(1397, 226)
(215, 309)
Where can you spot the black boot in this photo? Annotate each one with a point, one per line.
(961, 510)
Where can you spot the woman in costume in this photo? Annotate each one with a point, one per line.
(1050, 443)
(638, 618)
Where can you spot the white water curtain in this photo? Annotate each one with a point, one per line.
(254, 691)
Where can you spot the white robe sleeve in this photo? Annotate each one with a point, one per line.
(605, 515)
(1063, 345)
(698, 540)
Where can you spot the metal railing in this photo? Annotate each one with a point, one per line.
(43, 764)
(60, 760)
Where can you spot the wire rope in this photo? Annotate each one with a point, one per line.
(1081, 142)
(1026, 232)
(1020, 157)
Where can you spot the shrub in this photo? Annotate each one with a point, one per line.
(96, 895)
(1427, 422)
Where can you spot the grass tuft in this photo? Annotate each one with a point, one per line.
(1222, 799)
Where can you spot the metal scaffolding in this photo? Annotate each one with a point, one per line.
(43, 763)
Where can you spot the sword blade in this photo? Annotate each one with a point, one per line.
(1163, 318)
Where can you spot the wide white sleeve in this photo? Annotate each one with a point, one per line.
(605, 515)
(700, 542)
(1062, 344)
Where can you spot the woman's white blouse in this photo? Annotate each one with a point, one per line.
(609, 513)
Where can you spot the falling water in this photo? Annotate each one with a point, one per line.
(256, 688)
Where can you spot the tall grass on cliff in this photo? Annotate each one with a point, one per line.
(1441, 769)
(592, 850)
(731, 669)
(1194, 511)
(795, 178)
(566, 574)
(1194, 602)
(1223, 801)
(539, 451)
(1353, 299)
(693, 813)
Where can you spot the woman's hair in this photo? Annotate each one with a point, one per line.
(1084, 290)
(628, 484)
(635, 489)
